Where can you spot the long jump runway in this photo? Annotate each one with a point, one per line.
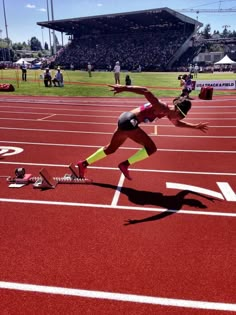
(163, 243)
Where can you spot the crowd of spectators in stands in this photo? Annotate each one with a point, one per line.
(137, 51)
(151, 50)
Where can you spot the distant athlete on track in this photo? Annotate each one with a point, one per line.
(128, 127)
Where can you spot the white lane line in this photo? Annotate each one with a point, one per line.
(228, 126)
(131, 298)
(83, 101)
(74, 110)
(60, 121)
(92, 205)
(58, 130)
(110, 133)
(118, 190)
(195, 151)
(69, 110)
(97, 123)
(99, 116)
(115, 169)
(104, 103)
(124, 148)
(46, 117)
(24, 113)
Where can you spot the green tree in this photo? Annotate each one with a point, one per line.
(4, 43)
(35, 44)
(46, 46)
(225, 33)
(17, 46)
(207, 31)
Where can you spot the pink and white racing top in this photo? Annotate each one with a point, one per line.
(148, 113)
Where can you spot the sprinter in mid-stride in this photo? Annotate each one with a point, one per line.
(129, 127)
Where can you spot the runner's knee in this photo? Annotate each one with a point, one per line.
(109, 150)
(151, 149)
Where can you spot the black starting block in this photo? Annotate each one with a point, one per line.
(45, 180)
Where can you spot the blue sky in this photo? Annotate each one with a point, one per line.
(22, 16)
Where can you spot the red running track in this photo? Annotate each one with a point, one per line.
(71, 250)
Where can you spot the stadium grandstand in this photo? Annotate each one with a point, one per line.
(153, 39)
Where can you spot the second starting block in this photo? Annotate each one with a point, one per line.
(45, 180)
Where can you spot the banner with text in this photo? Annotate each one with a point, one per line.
(216, 84)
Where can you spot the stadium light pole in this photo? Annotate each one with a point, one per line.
(42, 37)
(54, 40)
(2, 46)
(49, 33)
(5, 19)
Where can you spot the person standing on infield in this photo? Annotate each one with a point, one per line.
(117, 72)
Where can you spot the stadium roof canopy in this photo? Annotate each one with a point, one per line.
(145, 20)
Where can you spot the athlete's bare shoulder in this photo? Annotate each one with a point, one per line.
(155, 101)
(162, 107)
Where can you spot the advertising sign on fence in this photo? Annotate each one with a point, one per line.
(216, 84)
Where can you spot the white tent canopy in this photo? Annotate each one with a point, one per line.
(225, 61)
(20, 61)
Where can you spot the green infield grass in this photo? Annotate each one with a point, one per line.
(78, 83)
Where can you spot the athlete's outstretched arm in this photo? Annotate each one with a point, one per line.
(137, 90)
(118, 88)
(203, 126)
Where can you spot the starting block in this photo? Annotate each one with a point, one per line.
(45, 180)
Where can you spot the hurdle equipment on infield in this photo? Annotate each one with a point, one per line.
(45, 180)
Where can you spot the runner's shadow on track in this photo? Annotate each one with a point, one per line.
(173, 203)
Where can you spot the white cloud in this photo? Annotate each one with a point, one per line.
(42, 10)
(30, 6)
(99, 4)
